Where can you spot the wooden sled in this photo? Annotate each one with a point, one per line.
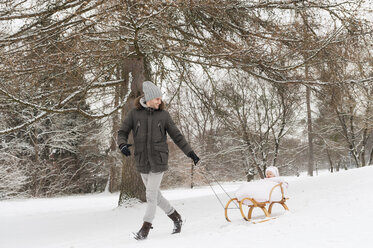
(261, 205)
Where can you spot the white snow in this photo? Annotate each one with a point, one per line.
(329, 210)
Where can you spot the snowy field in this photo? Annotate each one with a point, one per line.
(330, 210)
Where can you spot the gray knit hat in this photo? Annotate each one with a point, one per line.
(151, 91)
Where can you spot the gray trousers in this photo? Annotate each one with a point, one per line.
(154, 198)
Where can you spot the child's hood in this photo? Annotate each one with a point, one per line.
(274, 170)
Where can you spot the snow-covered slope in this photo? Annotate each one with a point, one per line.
(330, 210)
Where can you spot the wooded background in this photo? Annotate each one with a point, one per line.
(250, 84)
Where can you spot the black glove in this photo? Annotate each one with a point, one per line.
(124, 148)
(194, 157)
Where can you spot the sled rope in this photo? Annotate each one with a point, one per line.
(212, 188)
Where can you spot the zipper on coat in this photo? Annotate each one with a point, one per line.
(160, 128)
(137, 127)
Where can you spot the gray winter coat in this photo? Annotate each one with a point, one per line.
(150, 128)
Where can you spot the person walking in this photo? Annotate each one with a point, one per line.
(150, 123)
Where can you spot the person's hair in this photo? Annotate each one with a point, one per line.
(139, 106)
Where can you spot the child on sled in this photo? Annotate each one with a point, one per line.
(260, 190)
(258, 194)
(272, 174)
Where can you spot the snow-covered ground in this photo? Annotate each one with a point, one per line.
(330, 210)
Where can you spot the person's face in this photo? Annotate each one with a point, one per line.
(269, 174)
(154, 103)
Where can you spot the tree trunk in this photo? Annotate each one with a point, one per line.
(133, 73)
(362, 156)
(330, 161)
(371, 157)
(35, 183)
(113, 178)
(192, 176)
(354, 150)
(310, 133)
(249, 176)
(363, 145)
(283, 124)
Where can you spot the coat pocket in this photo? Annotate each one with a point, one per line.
(164, 157)
(138, 154)
(161, 154)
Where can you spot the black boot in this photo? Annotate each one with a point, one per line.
(144, 231)
(178, 222)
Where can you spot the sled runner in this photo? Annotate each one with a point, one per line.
(251, 203)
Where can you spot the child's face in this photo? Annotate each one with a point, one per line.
(269, 174)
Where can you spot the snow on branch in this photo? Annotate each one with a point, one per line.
(25, 124)
(67, 5)
(306, 60)
(58, 108)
